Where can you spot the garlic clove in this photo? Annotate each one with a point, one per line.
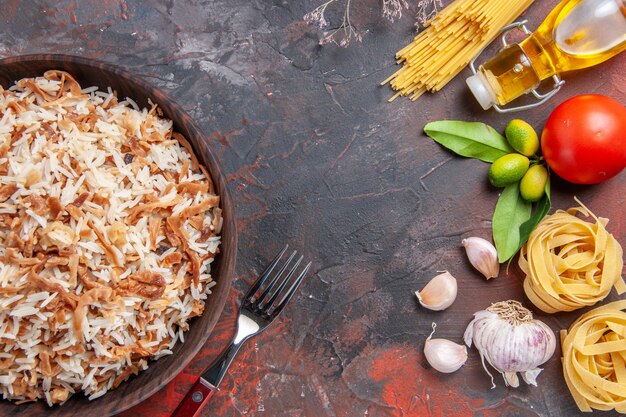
(444, 355)
(482, 255)
(439, 293)
(511, 379)
(530, 376)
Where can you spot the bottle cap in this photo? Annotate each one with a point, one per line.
(481, 89)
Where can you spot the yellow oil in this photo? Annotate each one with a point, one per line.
(576, 34)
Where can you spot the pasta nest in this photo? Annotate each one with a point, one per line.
(594, 354)
(571, 263)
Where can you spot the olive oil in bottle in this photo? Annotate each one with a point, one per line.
(576, 34)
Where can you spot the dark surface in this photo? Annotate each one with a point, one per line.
(316, 157)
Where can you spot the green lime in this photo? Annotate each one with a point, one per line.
(533, 183)
(522, 137)
(508, 169)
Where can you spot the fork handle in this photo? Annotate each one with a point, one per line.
(195, 399)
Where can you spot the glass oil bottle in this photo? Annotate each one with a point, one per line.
(577, 34)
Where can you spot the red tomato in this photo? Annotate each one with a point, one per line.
(584, 139)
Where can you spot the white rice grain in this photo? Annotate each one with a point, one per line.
(101, 160)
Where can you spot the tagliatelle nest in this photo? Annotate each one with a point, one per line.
(108, 226)
(571, 263)
(594, 358)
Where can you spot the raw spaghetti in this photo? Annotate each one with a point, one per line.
(594, 367)
(449, 42)
(571, 263)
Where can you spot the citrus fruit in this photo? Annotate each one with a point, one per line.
(533, 183)
(522, 137)
(508, 169)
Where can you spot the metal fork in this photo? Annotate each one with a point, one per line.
(265, 300)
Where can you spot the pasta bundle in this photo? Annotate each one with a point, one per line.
(594, 358)
(449, 42)
(570, 263)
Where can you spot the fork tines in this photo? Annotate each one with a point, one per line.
(271, 287)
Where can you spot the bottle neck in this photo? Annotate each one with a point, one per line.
(510, 74)
(540, 53)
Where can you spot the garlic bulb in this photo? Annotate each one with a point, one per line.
(506, 335)
(482, 255)
(439, 293)
(444, 355)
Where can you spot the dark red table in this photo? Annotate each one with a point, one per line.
(316, 157)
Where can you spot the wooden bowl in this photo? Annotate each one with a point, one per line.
(89, 73)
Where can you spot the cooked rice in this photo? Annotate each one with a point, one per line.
(108, 227)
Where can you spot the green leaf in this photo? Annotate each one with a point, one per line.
(511, 212)
(543, 207)
(470, 139)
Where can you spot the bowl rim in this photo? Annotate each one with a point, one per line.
(226, 264)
